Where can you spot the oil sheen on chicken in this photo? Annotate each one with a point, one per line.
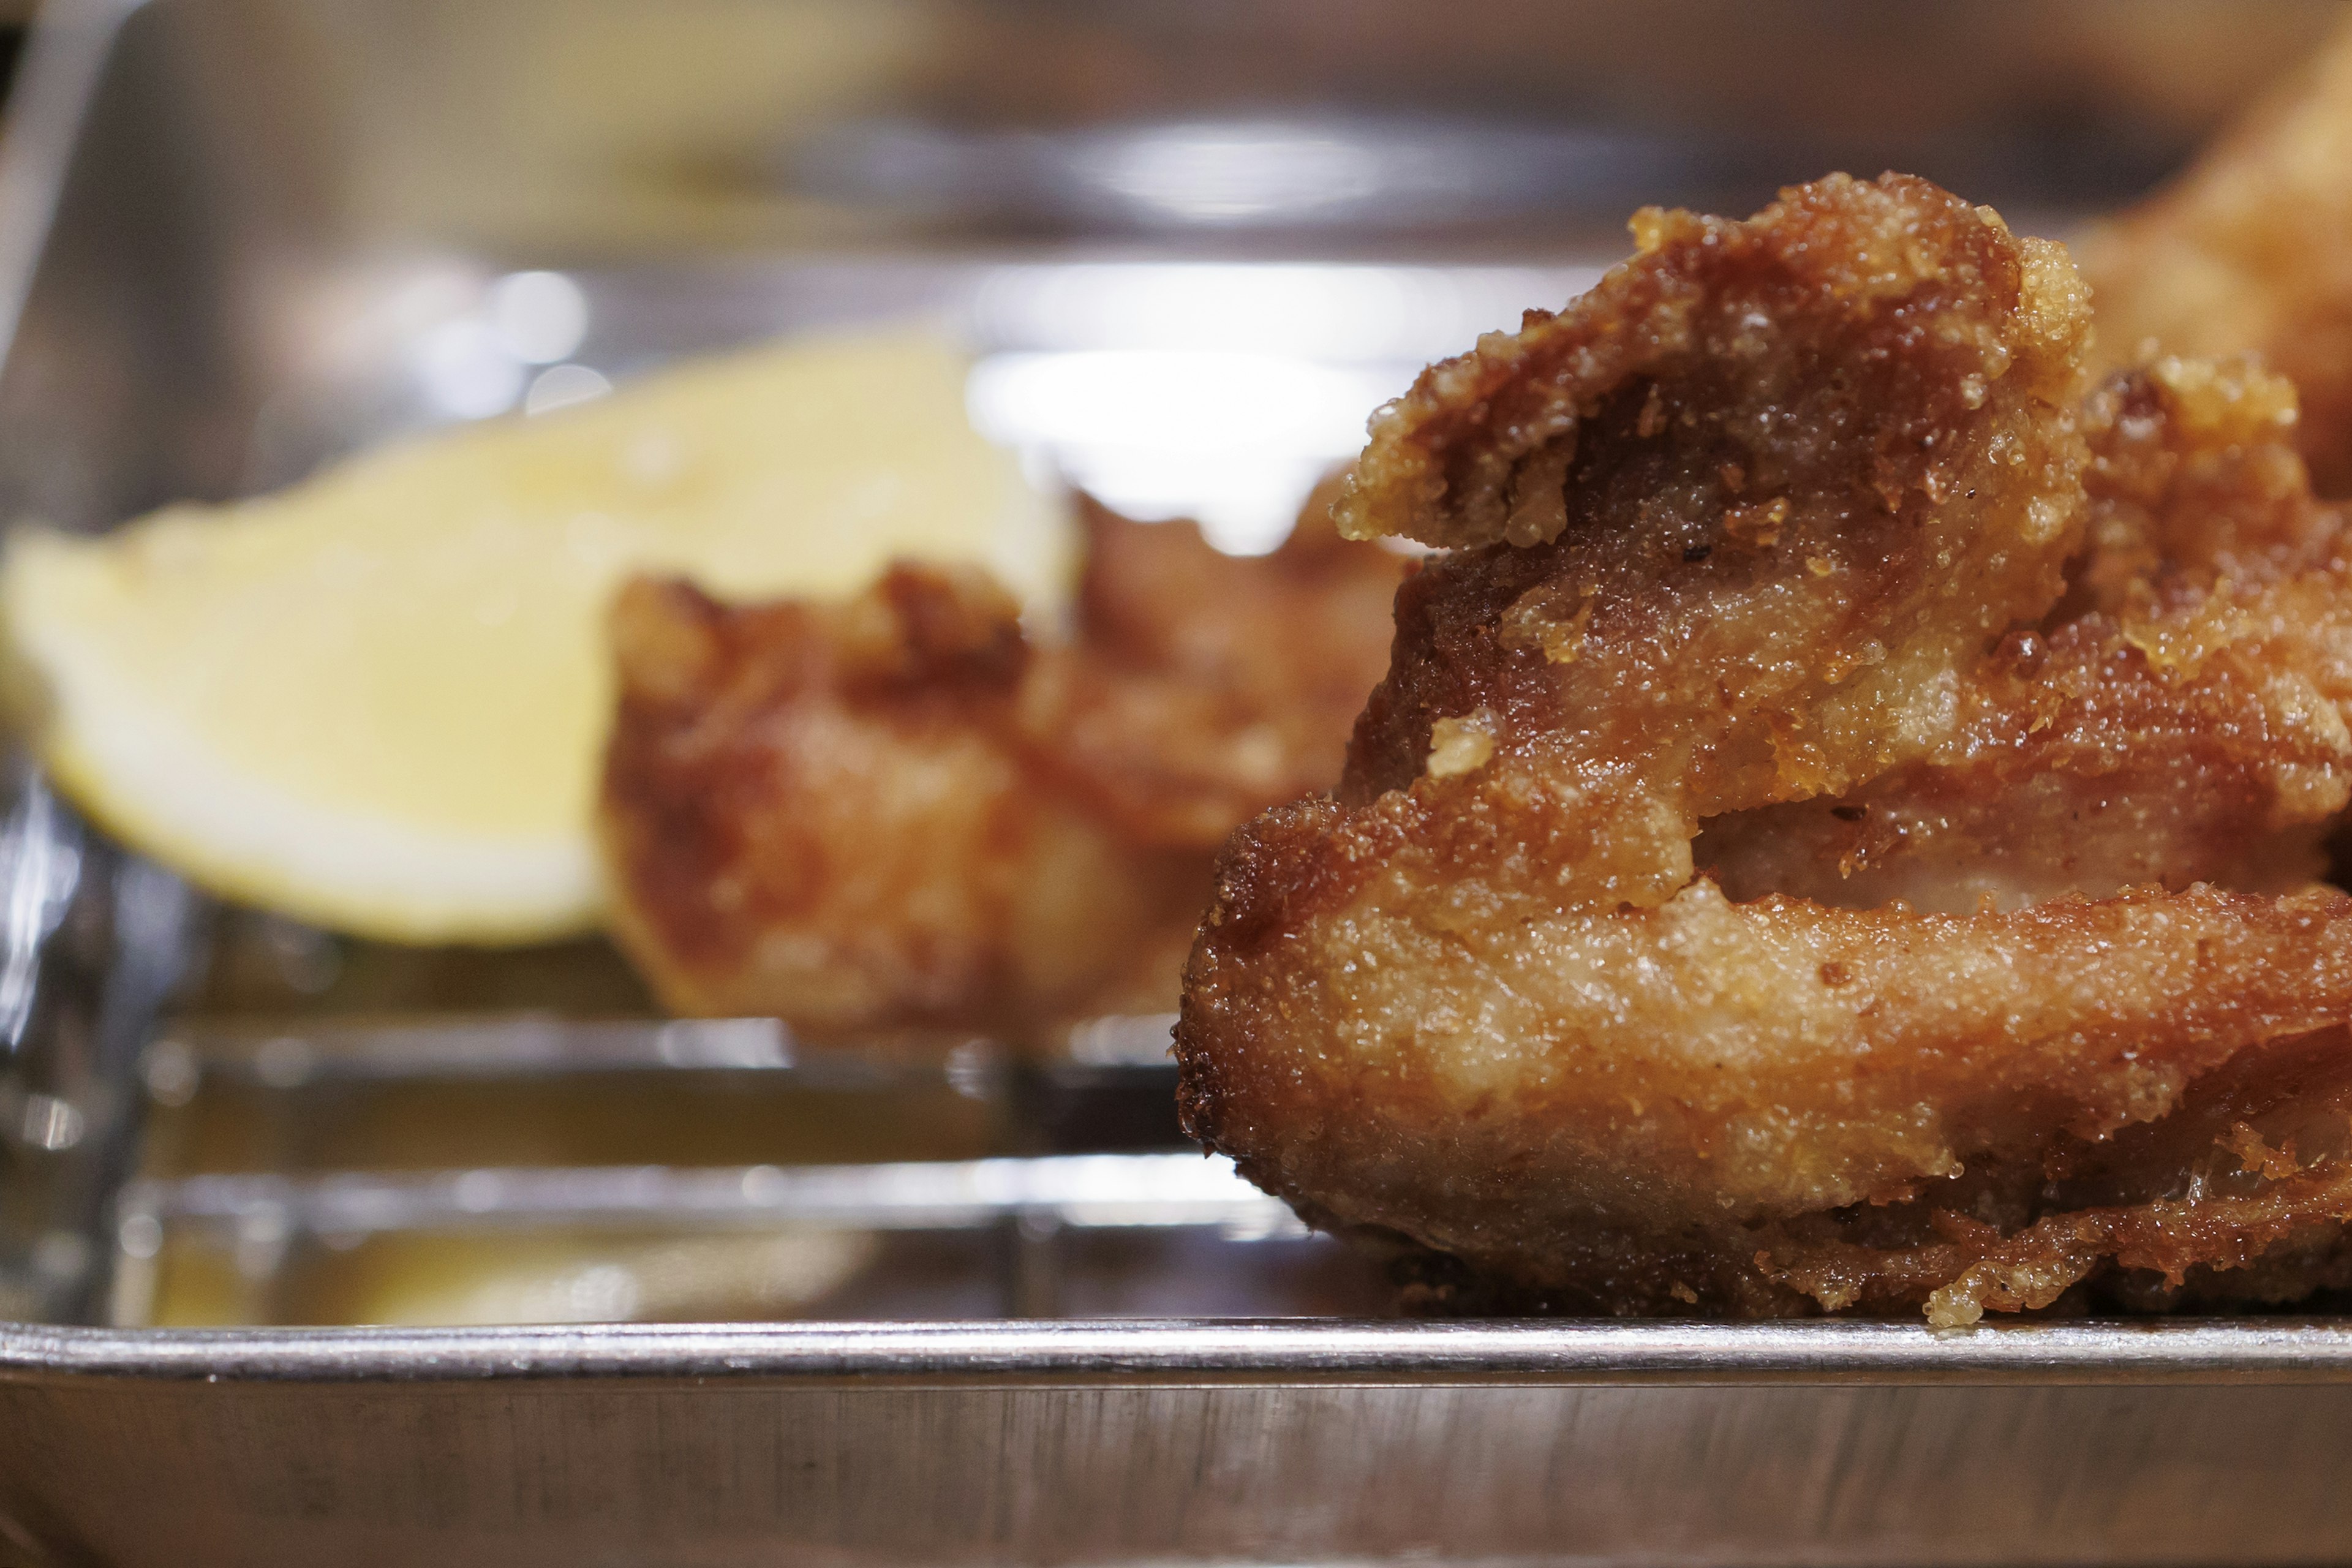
(1840, 827)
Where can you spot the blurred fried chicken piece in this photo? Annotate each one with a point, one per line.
(1765, 544)
(1203, 686)
(2250, 250)
(901, 812)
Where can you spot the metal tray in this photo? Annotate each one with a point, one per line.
(241, 236)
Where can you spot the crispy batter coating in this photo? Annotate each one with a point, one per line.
(2250, 249)
(2177, 722)
(1809, 492)
(901, 812)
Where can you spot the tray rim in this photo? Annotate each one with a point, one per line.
(1205, 1353)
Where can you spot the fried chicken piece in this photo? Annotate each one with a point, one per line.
(2177, 722)
(1203, 686)
(816, 811)
(1769, 534)
(2250, 249)
(901, 812)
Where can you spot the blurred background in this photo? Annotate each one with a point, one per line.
(602, 128)
(295, 186)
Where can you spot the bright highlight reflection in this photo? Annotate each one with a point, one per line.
(1234, 439)
(542, 317)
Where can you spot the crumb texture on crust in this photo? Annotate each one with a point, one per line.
(901, 811)
(1890, 792)
(1705, 343)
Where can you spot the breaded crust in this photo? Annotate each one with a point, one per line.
(1805, 583)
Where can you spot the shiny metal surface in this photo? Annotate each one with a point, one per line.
(2291, 1352)
(891, 1182)
(1072, 1189)
(226, 226)
(1198, 1443)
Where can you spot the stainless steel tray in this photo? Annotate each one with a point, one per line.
(1208, 1442)
(226, 226)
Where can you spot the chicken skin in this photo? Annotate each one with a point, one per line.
(903, 812)
(1837, 829)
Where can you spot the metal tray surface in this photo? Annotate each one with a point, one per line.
(200, 199)
(1206, 1442)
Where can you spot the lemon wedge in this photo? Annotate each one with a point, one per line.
(376, 700)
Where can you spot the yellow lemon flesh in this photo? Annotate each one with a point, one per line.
(376, 701)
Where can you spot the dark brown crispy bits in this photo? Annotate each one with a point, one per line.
(1968, 734)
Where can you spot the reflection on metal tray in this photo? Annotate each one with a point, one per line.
(400, 1174)
(1193, 1442)
(238, 237)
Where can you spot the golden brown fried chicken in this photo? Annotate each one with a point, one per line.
(2172, 723)
(2250, 249)
(1763, 544)
(901, 812)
